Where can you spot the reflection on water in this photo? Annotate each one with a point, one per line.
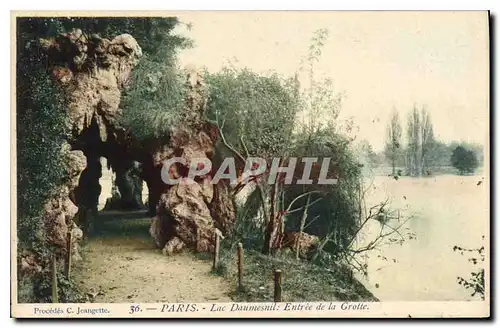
(448, 210)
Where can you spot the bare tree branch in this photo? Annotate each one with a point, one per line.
(306, 206)
(299, 197)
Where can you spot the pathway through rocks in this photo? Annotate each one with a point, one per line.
(122, 265)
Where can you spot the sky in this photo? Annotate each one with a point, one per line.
(380, 61)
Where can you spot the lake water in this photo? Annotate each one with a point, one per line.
(448, 210)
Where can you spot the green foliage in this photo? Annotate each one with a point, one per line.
(256, 115)
(476, 280)
(321, 107)
(414, 143)
(320, 134)
(260, 109)
(41, 131)
(301, 281)
(38, 289)
(152, 33)
(321, 104)
(427, 142)
(424, 154)
(421, 142)
(438, 158)
(336, 211)
(248, 228)
(263, 112)
(441, 154)
(465, 161)
(26, 291)
(154, 102)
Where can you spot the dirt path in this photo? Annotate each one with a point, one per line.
(122, 265)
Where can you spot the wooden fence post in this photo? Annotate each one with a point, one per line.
(240, 266)
(216, 251)
(69, 245)
(277, 285)
(55, 296)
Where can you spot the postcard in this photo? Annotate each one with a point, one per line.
(265, 164)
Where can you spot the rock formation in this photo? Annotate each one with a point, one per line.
(187, 214)
(92, 72)
(304, 241)
(60, 210)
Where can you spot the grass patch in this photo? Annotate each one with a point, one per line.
(38, 289)
(301, 280)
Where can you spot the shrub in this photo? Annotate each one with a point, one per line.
(475, 282)
(465, 161)
(41, 132)
(259, 109)
(154, 102)
(336, 213)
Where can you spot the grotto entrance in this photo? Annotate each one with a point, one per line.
(110, 197)
(93, 72)
(113, 179)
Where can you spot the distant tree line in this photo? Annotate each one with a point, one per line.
(415, 151)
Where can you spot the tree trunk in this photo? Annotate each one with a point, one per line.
(272, 224)
(393, 166)
(302, 225)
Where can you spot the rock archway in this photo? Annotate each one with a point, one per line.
(93, 72)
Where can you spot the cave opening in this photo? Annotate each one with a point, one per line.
(113, 179)
(126, 189)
